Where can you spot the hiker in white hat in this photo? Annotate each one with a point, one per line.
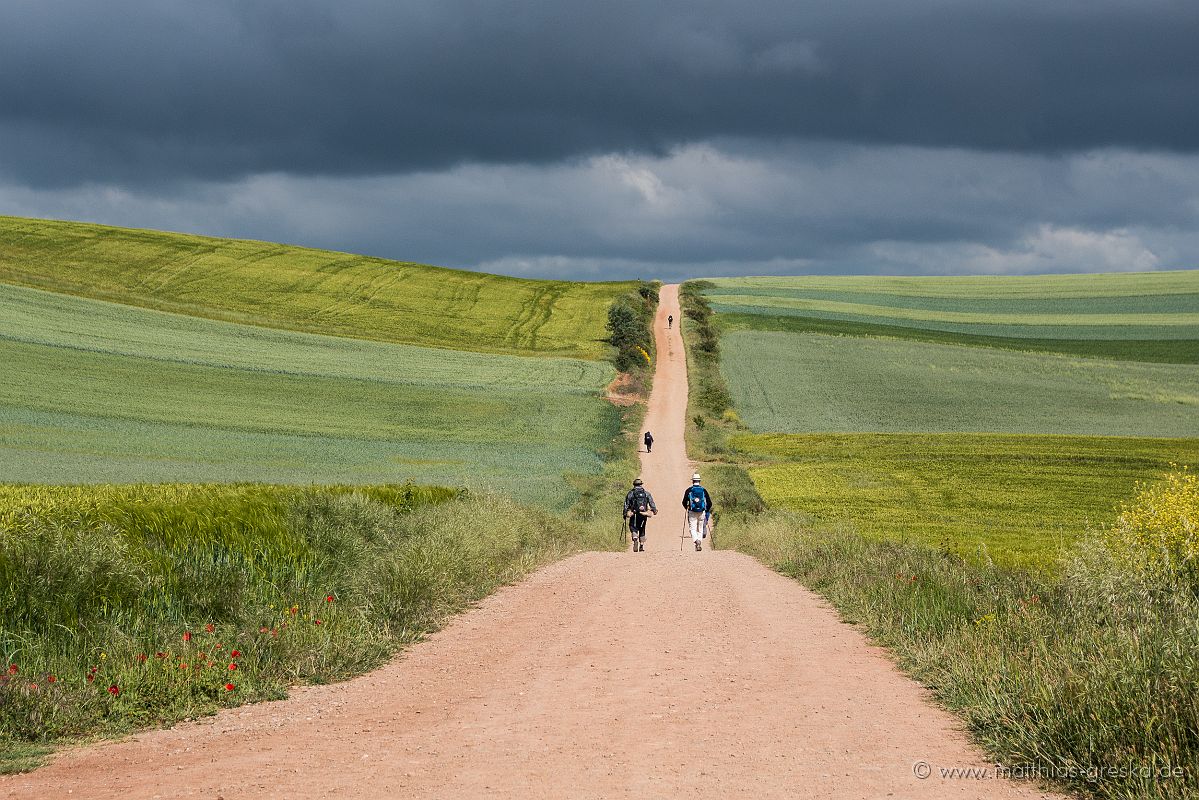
(698, 503)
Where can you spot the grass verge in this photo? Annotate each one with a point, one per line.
(1088, 678)
(134, 606)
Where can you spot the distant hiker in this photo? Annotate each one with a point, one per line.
(649, 441)
(670, 320)
(698, 503)
(638, 505)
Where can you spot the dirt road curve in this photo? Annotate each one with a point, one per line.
(664, 674)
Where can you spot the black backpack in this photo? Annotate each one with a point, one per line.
(640, 499)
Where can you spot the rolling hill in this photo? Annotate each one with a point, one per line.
(317, 291)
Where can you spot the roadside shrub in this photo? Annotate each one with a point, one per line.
(630, 328)
(710, 394)
(1157, 534)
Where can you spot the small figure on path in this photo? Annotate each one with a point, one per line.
(649, 441)
(670, 321)
(698, 503)
(638, 505)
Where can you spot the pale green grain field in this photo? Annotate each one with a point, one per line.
(109, 393)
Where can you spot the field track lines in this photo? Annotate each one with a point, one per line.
(670, 673)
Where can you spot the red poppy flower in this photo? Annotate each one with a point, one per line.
(232, 666)
(229, 687)
(210, 627)
(51, 679)
(141, 658)
(113, 690)
(235, 653)
(33, 687)
(219, 647)
(160, 654)
(91, 677)
(13, 669)
(187, 636)
(317, 622)
(294, 609)
(182, 665)
(329, 598)
(275, 633)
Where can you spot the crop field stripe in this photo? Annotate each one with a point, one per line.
(1164, 351)
(1132, 304)
(1127, 332)
(988, 287)
(796, 383)
(36, 317)
(895, 312)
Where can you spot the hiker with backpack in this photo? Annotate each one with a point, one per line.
(649, 441)
(698, 503)
(638, 505)
(670, 320)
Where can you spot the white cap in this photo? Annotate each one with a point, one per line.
(695, 478)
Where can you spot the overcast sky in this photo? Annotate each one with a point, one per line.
(621, 138)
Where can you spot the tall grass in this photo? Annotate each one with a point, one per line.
(131, 606)
(1089, 677)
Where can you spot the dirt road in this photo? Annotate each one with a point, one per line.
(664, 674)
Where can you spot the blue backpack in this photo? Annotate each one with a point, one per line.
(695, 499)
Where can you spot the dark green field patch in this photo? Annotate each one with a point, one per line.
(1162, 351)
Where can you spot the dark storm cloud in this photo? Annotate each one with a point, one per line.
(726, 208)
(144, 92)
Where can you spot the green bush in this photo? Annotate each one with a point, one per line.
(630, 328)
(1157, 535)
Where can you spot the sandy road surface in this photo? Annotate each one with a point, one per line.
(664, 674)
